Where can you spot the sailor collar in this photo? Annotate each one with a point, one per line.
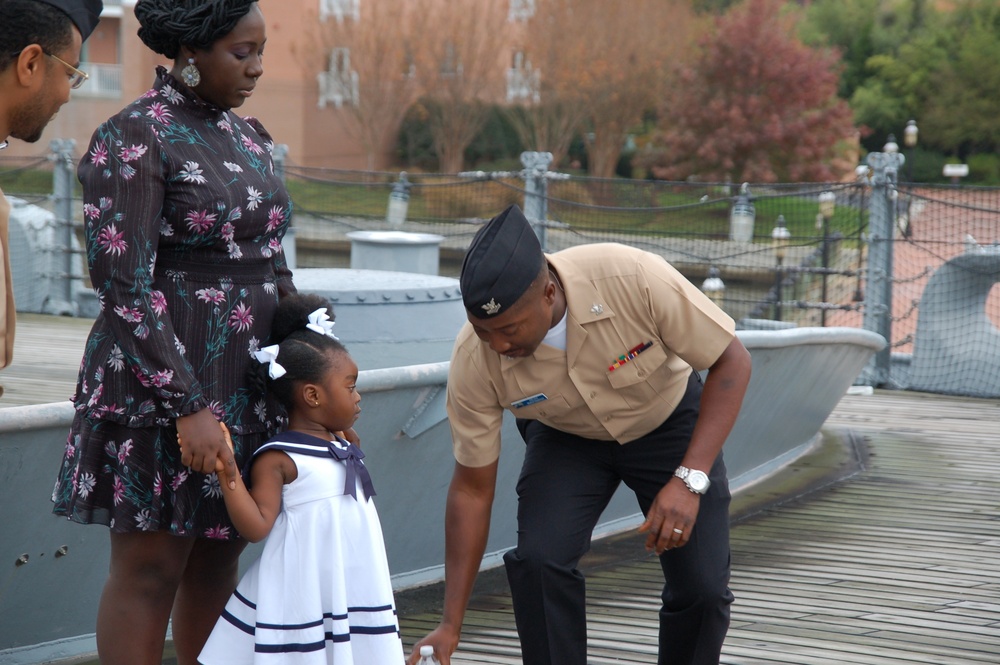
(340, 450)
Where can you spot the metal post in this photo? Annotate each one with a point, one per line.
(279, 157)
(777, 288)
(826, 267)
(61, 299)
(881, 226)
(536, 166)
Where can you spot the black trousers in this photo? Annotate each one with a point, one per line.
(565, 483)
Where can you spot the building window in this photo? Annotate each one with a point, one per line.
(451, 66)
(409, 64)
(339, 9)
(338, 85)
(521, 10)
(523, 81)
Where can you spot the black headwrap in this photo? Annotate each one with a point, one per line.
(166, 25)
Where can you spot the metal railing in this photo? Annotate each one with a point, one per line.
(861, 262)
(105, 80)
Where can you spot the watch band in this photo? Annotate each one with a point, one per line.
(696, 481)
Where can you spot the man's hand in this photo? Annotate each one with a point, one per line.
(443, 639)
(467, 526)
(671, 518)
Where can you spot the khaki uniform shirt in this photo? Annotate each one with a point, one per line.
(7, 311)
(617, 298)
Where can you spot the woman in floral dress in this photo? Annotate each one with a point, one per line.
(184, 219)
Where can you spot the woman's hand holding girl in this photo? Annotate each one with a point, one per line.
(205, 445)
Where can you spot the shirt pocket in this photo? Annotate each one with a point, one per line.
(552, 407)
(640, 379)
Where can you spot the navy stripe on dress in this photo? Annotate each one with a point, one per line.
(289, 648)
(241, 625)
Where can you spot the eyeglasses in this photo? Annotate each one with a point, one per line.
(76, 76)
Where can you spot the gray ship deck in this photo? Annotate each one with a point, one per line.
(882, 547)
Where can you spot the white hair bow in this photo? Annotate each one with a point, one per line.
(320, 322)
(269, 354)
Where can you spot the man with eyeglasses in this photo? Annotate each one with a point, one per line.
(39, 42)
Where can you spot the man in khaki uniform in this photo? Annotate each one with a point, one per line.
(40, 43)
(593, 349)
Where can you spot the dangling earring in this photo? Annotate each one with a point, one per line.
(191, 75)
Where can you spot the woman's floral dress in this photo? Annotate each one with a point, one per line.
(184, 218)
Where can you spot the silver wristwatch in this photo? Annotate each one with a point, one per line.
(696, 481)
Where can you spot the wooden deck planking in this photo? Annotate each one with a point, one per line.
(47, 354)
(899, 563)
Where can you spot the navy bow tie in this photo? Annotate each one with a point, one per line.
(351, 457)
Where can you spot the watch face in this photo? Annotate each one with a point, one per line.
(698, 481)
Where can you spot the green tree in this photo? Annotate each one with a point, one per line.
(848, 26)
(898, 87)
(960, 109)
(893, 52)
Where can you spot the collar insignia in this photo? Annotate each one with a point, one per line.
(492, 307)
(597, 308)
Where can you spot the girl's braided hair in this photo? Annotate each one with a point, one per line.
(304, 354)
(166, 25)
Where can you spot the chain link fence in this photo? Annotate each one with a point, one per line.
(803, 262)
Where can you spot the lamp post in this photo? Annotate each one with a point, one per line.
(741, 217)
(780, 236)
(910, 135)
(910, 141)
(890, 144)
(714, 287)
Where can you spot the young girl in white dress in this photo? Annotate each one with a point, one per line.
(320, 592)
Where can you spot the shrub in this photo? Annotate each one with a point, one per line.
(984, 169)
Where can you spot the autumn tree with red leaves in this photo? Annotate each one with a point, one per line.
(755, 104)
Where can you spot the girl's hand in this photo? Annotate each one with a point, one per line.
(220, 464)
(227, 467)
(203, 443)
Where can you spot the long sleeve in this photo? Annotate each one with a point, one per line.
(124, 185)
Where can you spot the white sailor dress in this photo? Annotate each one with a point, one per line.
(320, 593)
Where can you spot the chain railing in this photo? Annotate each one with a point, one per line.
(856, 253)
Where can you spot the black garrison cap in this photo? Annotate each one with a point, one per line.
(84, 13)
(502, 262)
